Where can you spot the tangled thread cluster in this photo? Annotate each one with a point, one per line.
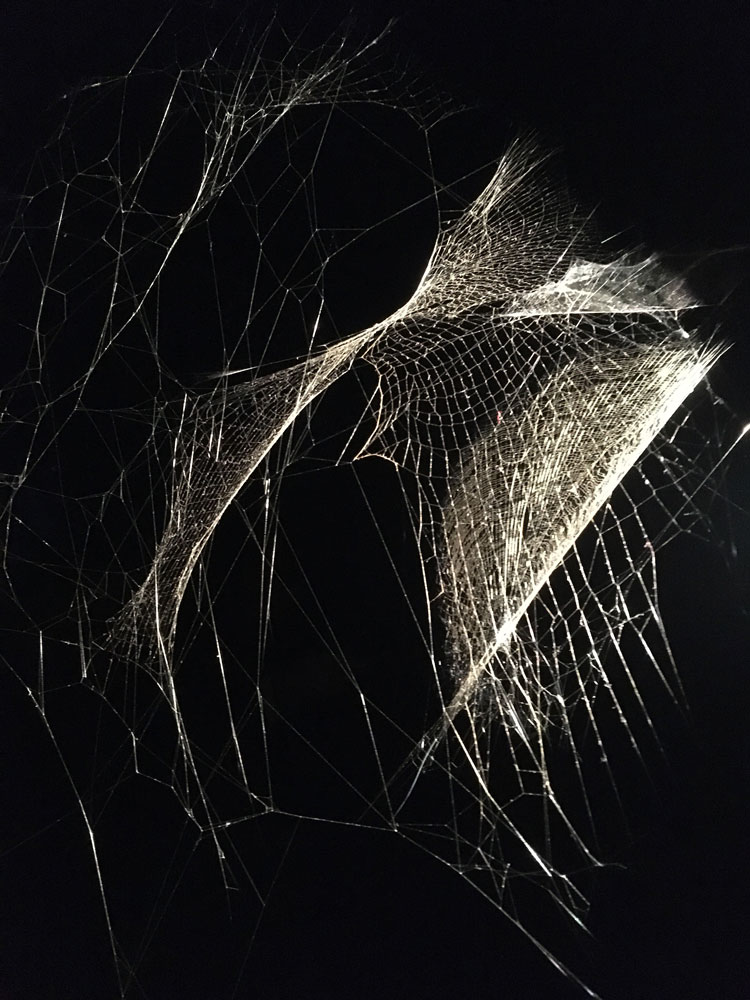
(516, 389)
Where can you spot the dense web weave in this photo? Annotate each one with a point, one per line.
(518, 395)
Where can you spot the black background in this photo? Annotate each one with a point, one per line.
(650, 106)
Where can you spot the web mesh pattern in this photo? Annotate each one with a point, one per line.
(519, 393)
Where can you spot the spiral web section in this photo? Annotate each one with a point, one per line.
(529, 397)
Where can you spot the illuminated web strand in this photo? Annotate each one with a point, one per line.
(532, 486)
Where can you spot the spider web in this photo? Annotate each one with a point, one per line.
(527, 395)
